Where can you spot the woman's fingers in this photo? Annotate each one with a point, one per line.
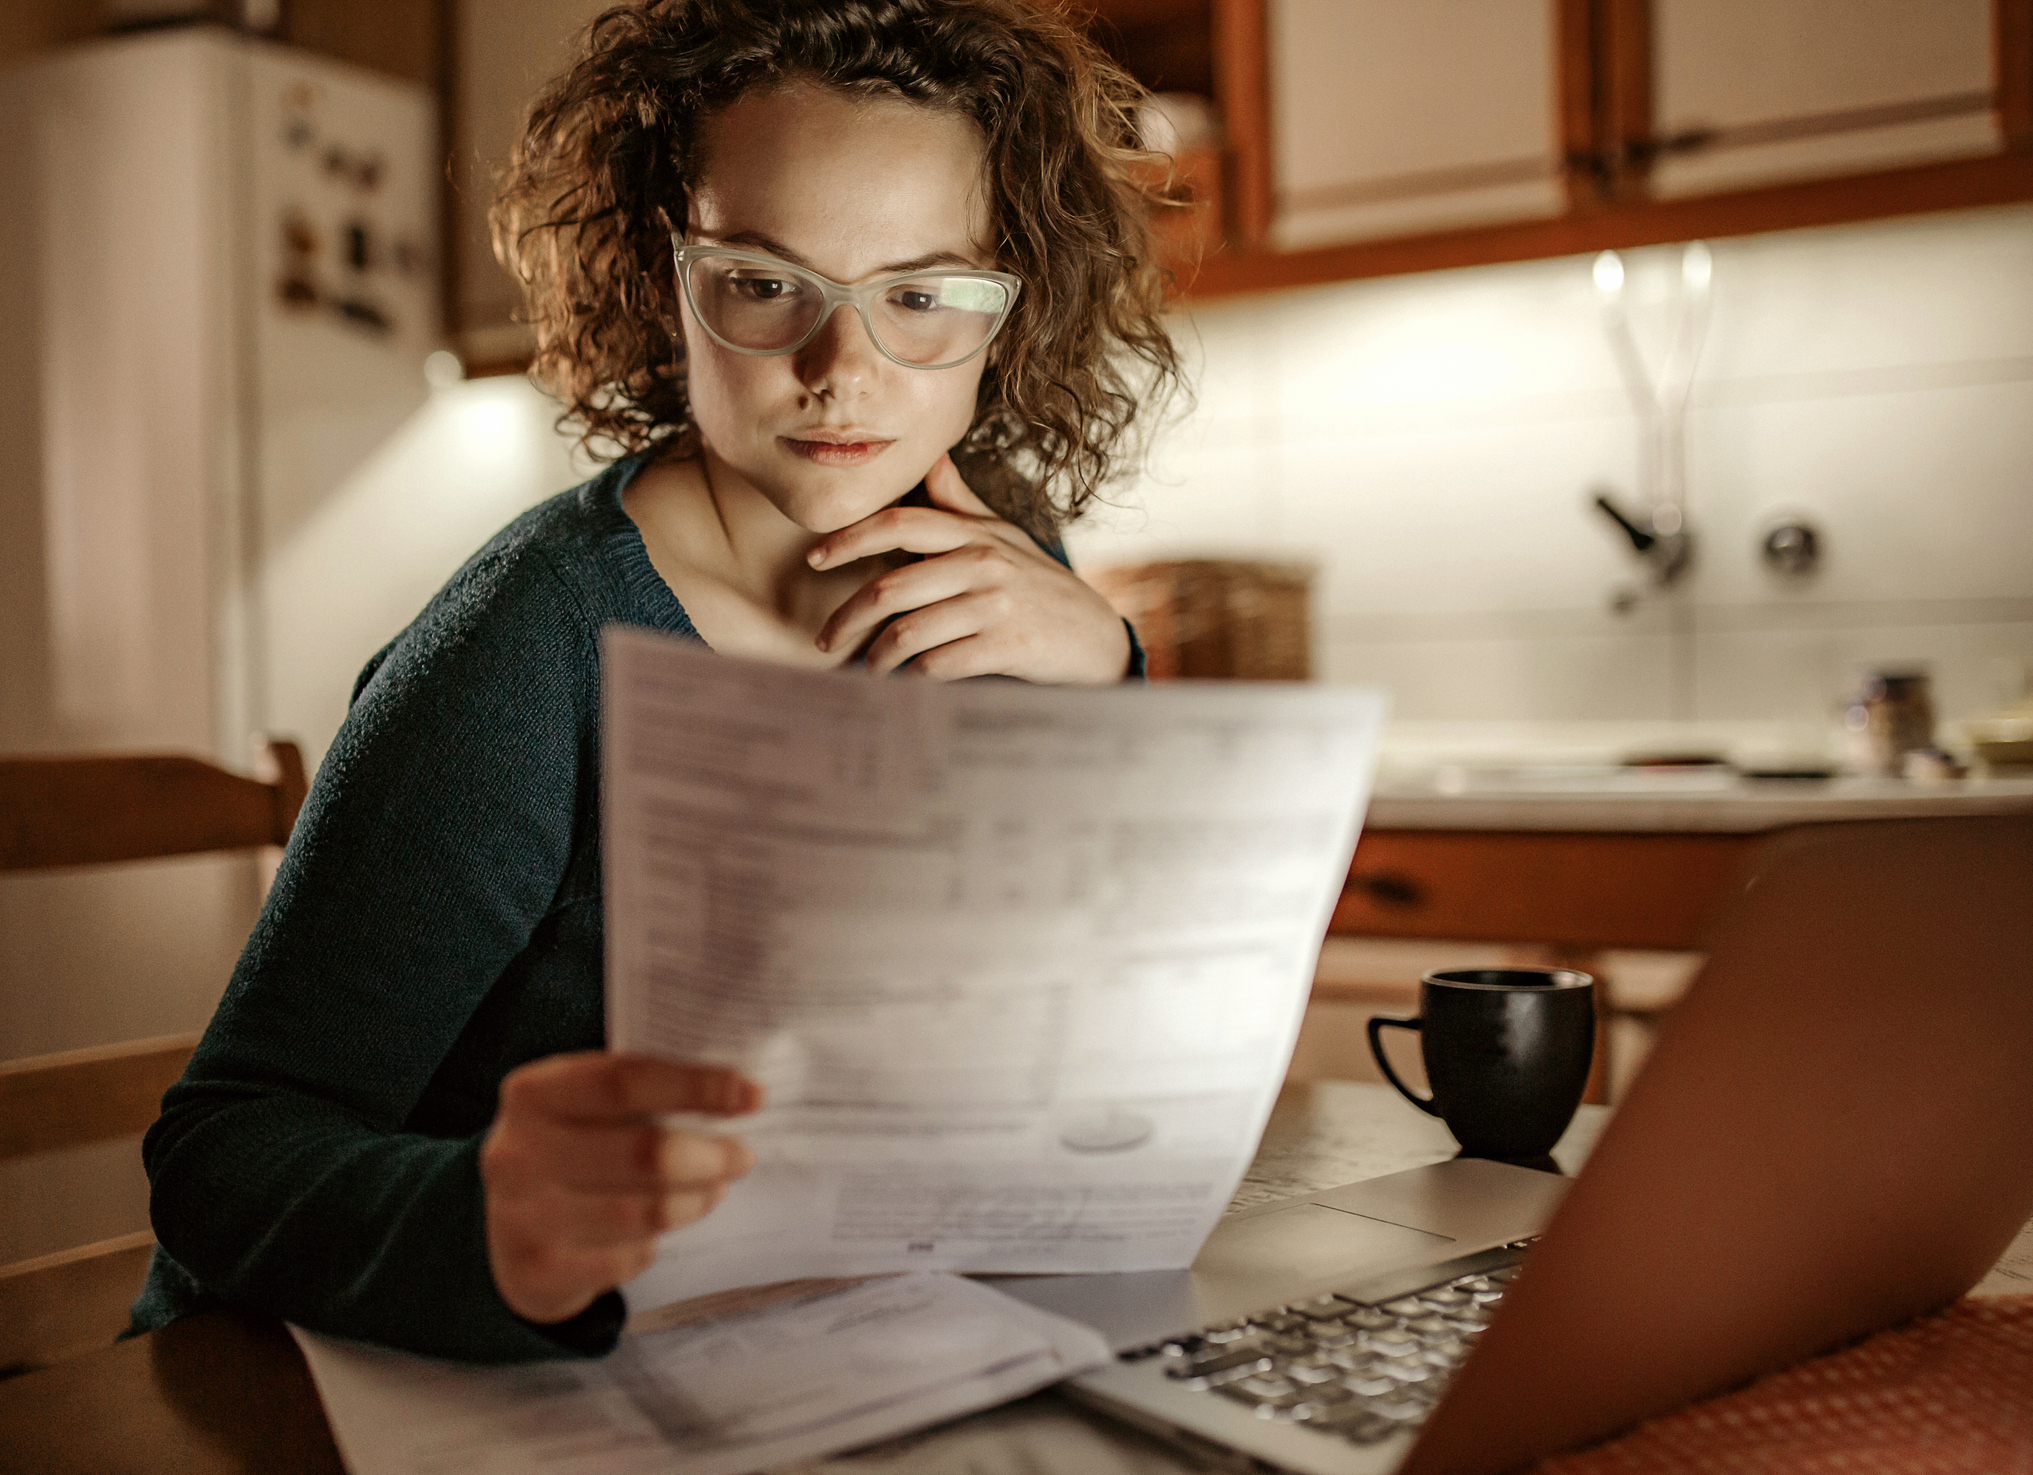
(594, 1085)
(602, 1220)
(626, 1157)
(936, 625)
(580, 1177)
(948, 489)
(913, 586)
(973, 655)
(924, 530)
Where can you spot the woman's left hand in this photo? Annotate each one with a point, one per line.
(984, 601)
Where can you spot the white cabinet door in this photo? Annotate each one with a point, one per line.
(1801, 89)
(1391, 117)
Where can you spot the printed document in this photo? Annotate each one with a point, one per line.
(747, 1392)
(1020, 968)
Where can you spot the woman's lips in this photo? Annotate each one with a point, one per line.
(837, 452)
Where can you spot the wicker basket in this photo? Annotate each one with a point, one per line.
(1223, 619)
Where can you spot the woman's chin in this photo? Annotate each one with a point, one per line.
(834, 499)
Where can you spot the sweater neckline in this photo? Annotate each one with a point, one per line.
(622, 544)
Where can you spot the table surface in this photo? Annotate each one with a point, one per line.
(228, 1391)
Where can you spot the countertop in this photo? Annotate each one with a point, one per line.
(1583, 798)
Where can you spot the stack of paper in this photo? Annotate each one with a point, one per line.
(738, 1393)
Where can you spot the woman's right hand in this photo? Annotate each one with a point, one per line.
(580, 1177)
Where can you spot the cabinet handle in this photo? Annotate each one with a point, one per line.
(1390, 888)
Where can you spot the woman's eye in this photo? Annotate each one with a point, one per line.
(914, 299)
(764, 289)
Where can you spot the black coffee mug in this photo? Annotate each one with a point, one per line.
(1507, 1052)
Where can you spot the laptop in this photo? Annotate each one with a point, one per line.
(1827, 1139)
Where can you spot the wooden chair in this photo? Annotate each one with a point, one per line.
(77, 811)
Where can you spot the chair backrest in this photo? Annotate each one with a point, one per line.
(94, 810)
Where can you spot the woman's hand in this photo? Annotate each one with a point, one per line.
(580, 1178)
(985, 601)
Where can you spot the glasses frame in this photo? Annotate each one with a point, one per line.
(835, 295)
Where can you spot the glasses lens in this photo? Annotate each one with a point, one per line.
(760, 308)
(937, 319)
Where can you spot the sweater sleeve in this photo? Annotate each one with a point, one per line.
(434, 841)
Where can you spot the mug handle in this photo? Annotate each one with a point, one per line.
(1378, 1023)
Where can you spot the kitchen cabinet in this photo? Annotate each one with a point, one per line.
(1750, 92)
(1561, 889)
(1400, 136)
(1388, 118)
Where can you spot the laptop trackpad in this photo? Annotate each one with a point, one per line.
(1249, 1264)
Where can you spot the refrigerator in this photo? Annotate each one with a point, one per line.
(218, 285)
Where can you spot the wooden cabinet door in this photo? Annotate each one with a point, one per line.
(1752, 92)
(1582, 890)
(1395, 116)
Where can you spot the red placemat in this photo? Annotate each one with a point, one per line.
(1951, 1392)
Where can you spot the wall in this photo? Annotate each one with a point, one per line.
(1428, 442)
(507, 50)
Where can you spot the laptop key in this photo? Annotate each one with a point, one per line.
(1279, 1321)
(1250, 1358)
(1264, 1407)
(1403, 1306)
(1401, 1409)
(1312, 1372)
(1429, 1325)
(1369, 1384)
(1353, 1421)
(1339, 1336)
(1322, 1308)
(1265, 1385)
(1368, 1318)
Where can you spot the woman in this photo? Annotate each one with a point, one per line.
(861, 292)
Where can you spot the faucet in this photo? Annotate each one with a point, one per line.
(1662, 540)
(1659, 536)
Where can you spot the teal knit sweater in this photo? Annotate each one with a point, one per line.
(435, 923)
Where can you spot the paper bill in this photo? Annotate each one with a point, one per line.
(1019, 967)
(748, 1392)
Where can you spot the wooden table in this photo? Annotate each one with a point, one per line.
(228, 1392)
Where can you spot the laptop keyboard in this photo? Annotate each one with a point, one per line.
(1351, 1368)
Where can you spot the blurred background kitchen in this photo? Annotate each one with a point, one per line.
(1642, 390)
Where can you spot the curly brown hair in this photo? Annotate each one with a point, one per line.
(599, 177)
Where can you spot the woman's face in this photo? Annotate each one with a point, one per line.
(851, 188)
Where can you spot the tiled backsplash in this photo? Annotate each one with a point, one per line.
(1429, 443)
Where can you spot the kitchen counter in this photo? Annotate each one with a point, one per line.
(1604, 799)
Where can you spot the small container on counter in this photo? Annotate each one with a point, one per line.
(1892, 716)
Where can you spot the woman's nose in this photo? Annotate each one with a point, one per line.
(841, 359)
